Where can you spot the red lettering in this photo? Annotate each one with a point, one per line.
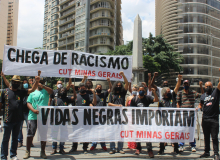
(131, 133)
(145, 134)
(64, 71)
(187, 136)
(172, 135)
(139, 134)
(149, 134)
(120, 76)
(59, 71)
(93, 73)
(83, 72)
(70, 70)
(89, 73)
(159, 135)
(126, 135)
(177, 135)
(121, 134)
(113, 74)
(109, 74)
(155, 134)
(167, 135)
(104, 74)
(182, 136)
(77, 72)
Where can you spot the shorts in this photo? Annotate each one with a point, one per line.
(31, 128)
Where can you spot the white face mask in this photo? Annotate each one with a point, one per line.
(59, 85)
(134, 93)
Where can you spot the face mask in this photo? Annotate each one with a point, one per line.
(169, 95)
(134, 93)
(186, 87)
(118, 89)
(98, 90)
(15, 85)
(82, 91)
(25, 85)
(208, 90)
(141, 93)
(59, 85)
(165, 85)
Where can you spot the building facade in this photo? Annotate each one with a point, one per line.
(93, 26)
(9, 23)
(193, 28)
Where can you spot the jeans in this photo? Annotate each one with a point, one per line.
(192, 144)
(211, 126)
(94, 144)
(54, 145)
(149, 146)
(20, 135)
(10, 127)
(75, 145)
(120, 145)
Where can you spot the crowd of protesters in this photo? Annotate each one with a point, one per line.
(20, 100)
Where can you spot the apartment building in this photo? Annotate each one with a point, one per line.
(193, 27)
(93, 26)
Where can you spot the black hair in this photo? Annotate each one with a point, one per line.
(114, 86)
(98, 85)
(81, 85)
(145, 88)
(89, 80)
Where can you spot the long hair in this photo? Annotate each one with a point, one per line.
(114, 86)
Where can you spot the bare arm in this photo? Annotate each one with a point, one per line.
(84, 79)
(49, 102)
(129, 87)
(30, 107)
(155, 95)
(116, 105)
(125, 80)
(74, 91)
(109, 84)
(126, 103)
(37, 79)
(5, 80)
(149, 81)
(94, 98)
(69, 84)
(178, 104)
(200, 85)
(48, 89)
(178, 83)
(200, 105)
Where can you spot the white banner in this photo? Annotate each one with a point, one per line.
(110, 124)
(64, 63)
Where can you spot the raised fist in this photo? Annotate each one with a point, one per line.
(155, 74)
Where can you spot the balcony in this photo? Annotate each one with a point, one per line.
(63, 1)
(95, 44)
(95, 1)
(67, 13)
(100, 16)
(64, 28)
(64, 35)
(94, 8)
(68, 19)
(101, 35)
(67, 6)
(94, 26)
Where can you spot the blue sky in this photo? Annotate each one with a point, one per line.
(31, 14)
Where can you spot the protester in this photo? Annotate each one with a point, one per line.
(117, 99)
(101, 101)
(12, 98)
(38, 98)
(143, 100)
(62, 100)
(169, 100)
(83, 99)
(186, 99)
(55, 92)
(209, 103)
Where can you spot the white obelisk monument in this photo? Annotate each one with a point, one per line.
(137, 61)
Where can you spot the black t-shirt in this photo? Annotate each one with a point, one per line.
(54, 94)
(164, 102)
(101, 99)
(210, 104)
(117, 98)
(25, 108)
(144, 102)
(61, 101)
(83, 100)
(13, 104)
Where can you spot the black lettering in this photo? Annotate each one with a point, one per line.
(75, 58)
(96, 61)
(104, 64)
(36, 59)
(188, 118)
(66, 117)
(75, 116)
(125, 116)
(95, 116)
(18, 55)
(102, 118)
(87, 116)
(117, 116)
(171, 117)
(9, 54)
(165, 118)
(83, 60)
(158, 118)
(141, 117)
(109, 116)
(60, 113)
(56, 58)
(133, 116)
(64, 58)
(44, 116)
(88, 60)
(178, 119)
(151, 116)
(44, 58)
(114, 63)
(27, 57)
(126, 63)
(51, 116)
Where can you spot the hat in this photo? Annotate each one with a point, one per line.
(16, 78)
(186, 81)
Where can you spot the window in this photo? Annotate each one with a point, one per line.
(140, 77)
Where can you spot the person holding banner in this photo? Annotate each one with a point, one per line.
(83, 99)
(169, 100)
(38, 98)
(12, 98)
(62, 100)
(143, 100)
(59, 85)
(117, 98)
(209, 102)
(101, 101)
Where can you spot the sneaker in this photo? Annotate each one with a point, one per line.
(53, 152)
(20, 144)
(181, 148)
(193, 149)
(14, 158)
(121, 151)
(73, 149)
(205, 155)
(151, 154)
(62, 151)
(104, 148)
(137, 152)
(216, 157)
(92, 148)
(27, 155)
(161, 152)
(112, 152)
(43, 155)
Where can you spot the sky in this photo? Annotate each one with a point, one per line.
(31, 19)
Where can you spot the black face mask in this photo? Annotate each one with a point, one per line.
(118, 88)
(165, 85)
(82, 91)
(208, 90)
(15, 85)
(98, 90)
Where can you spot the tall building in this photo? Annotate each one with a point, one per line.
(9, 23)
(193, 28)
(93, 26)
